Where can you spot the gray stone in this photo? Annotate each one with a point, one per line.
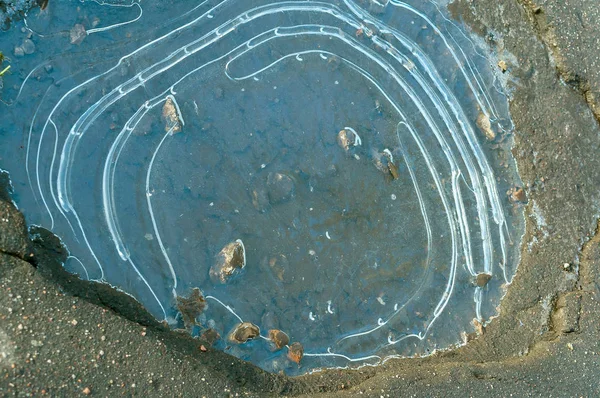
(77, 34)
(280, 187)
(28, 47)
(18, 51)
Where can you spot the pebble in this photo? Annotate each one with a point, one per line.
(280, 187)
(346, 139)
(484, 123)
(28, 47)
(191, 307)
(279, 338)
(229, 259)
(391, 166)
(517, 194)
(243, 332)
(479, 328)
(295, 352)
(502, 65)
(482, 279)
(169, 114)
(77, 34)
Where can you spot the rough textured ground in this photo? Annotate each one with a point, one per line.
(65, 337)
(571, 32)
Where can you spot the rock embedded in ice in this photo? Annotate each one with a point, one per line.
(191, 307)
(77, 34)
(295, 352)
(243, 332)
(280, 187)
(279, 338)
(169, 113)
(230, 259)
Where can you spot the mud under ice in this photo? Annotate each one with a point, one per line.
(303, 184)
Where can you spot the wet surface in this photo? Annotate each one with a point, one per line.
(152, 158)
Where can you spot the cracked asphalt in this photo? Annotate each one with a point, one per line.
(63, 337)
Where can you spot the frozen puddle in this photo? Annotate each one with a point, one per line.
(309, 184)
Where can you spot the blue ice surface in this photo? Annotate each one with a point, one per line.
(163, 133)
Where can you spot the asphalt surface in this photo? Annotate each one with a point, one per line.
(571, 32)
(64, 337)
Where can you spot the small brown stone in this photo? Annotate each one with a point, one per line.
(279, 338)
(190, 307)
(503, 66)
(517, 194)
(243, 332)
(483, 122)
(203, 348)
(391, 166)
(479, 328)
(295, 352)
(231, 258)
(169, 113)
(87, 391)
(482, 279)
(393, 170)
(346, 139)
